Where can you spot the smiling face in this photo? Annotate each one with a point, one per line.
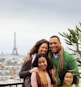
(42, 63)
(54, 44)
(68, 79)
(43, 49)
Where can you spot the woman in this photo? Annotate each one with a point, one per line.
(43, 77)
(40, 47)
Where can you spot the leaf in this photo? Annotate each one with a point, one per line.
(73, 37)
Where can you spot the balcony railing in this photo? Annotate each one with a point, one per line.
(11, 83)
(19, 84)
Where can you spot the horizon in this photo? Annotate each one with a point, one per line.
(35, 20)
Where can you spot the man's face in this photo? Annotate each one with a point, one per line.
(54, 45)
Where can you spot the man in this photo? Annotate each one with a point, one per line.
(61, 58)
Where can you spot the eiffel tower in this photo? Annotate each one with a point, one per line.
(14, 52)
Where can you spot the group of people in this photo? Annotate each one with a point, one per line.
(47, 64)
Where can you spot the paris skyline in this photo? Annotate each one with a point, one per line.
(34, 20)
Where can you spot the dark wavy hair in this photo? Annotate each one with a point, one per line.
(35, 48)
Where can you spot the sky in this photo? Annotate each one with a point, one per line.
(33, 20)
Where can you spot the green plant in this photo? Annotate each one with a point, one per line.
(73, 38)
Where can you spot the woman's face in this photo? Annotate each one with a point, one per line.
(68, 79)
(42, 63)
(43, 49)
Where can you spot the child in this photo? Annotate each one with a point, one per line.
(68, 78)
(43, 77)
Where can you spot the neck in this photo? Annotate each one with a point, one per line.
(40, 70)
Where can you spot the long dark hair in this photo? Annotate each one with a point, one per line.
(49, 66)
(63, 73)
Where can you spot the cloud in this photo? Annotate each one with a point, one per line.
(35, 19)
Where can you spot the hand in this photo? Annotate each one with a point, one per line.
(35, 69)
(26, 58)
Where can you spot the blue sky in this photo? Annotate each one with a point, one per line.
(33, 20)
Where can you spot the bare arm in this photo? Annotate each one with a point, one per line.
(34, 80)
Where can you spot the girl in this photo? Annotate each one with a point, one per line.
(68, 78)
(44, 75)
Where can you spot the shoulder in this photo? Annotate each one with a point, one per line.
(68, 56)
(33, 56)
(33, 73)
(67, 53)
